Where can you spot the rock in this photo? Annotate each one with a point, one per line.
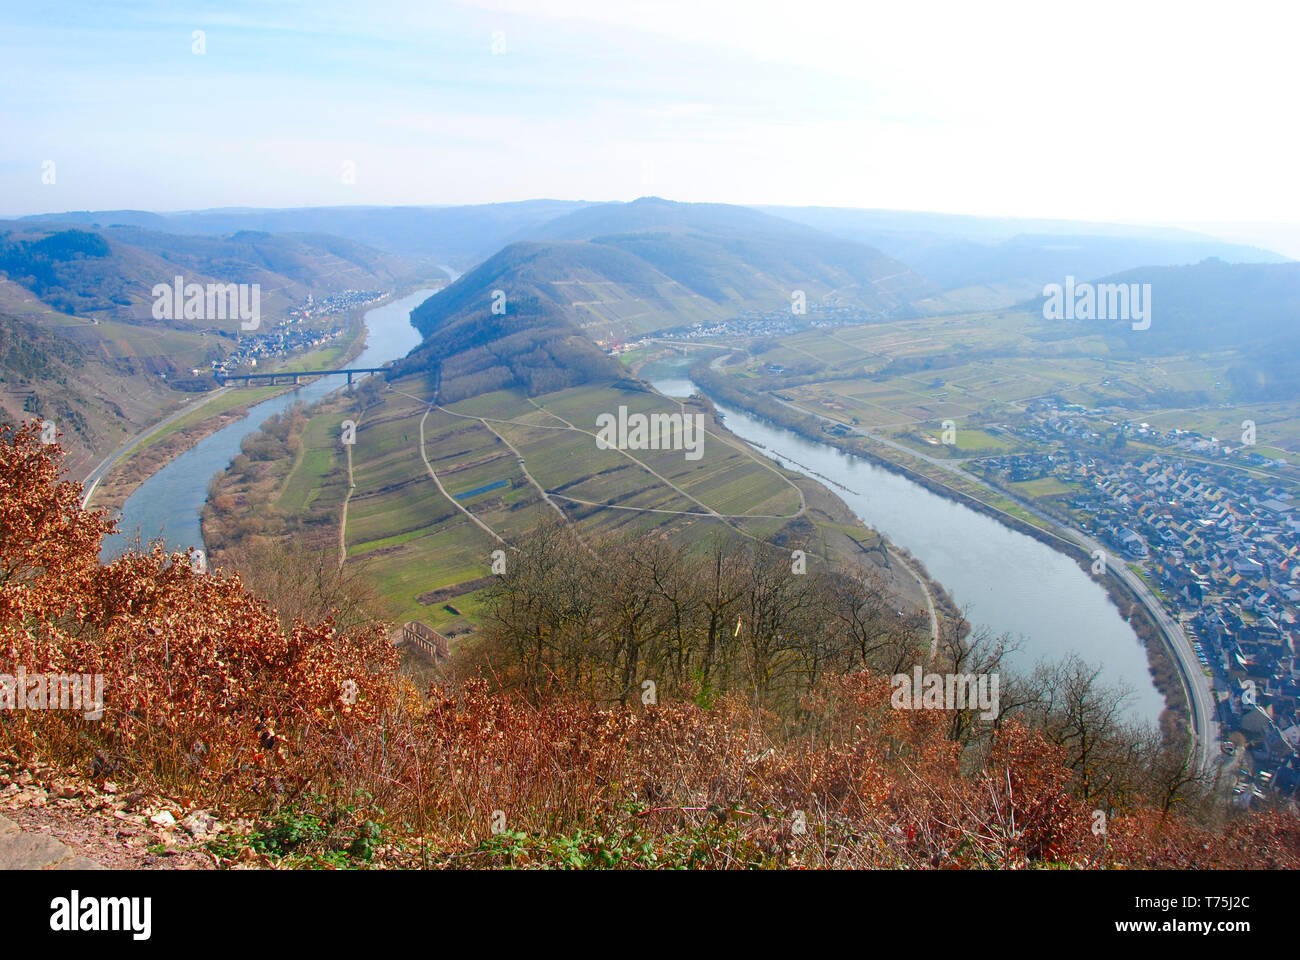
(23, 850)
(163, 819)
(200, 824)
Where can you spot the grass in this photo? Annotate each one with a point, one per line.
(221, 403)
(1042, 487)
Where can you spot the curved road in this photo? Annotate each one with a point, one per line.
(95, 476)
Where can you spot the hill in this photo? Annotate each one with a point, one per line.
(692, 776)
(612, 272)
(1253, 309)
(535, 342)
(1214, 304)
(79, 342)
(108, 273)
(1015, 256)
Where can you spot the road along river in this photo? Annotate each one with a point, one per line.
(167, 505)
(1008, 583)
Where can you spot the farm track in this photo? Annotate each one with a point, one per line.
(564, 425)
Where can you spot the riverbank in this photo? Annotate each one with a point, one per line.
(143, 456)
(1168, 676)
(167, 505)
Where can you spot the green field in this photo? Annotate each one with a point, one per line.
(905, 378)
(499, 456)
(1043, 487)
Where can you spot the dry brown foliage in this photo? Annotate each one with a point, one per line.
(211, 697)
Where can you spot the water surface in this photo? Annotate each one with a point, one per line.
(167, 505)
(1007, 582)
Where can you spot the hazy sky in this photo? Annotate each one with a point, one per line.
(1103, 110)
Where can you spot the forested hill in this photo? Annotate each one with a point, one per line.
(532, 341)
(1215, 304)
(80, 344)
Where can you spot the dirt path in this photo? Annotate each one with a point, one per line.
(704, 511)
(680, 513)
(524, 468)
(658, 476)
(343, 515)
(454, 502)
(51, 820)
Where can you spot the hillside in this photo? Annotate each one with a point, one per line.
(81, 345)
(1213, 304)
(109, 273)
(457, 235)
(98, 383)
(700, 775)
(657, 215)
(534, 343)
(1251, 308)
(614, 272)
(738, 257)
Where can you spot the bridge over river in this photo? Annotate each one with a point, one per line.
(248, 379)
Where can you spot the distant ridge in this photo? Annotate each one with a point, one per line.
(955, 251)
(1252, 308)
(457, 235)
(109, 272)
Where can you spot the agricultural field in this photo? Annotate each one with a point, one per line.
(902, 380)
(436, 490)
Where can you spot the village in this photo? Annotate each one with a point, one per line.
(1217, 541)
(774, 323)
(305, 327)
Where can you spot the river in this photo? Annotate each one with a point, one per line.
(167, 505)
(1007, 582)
